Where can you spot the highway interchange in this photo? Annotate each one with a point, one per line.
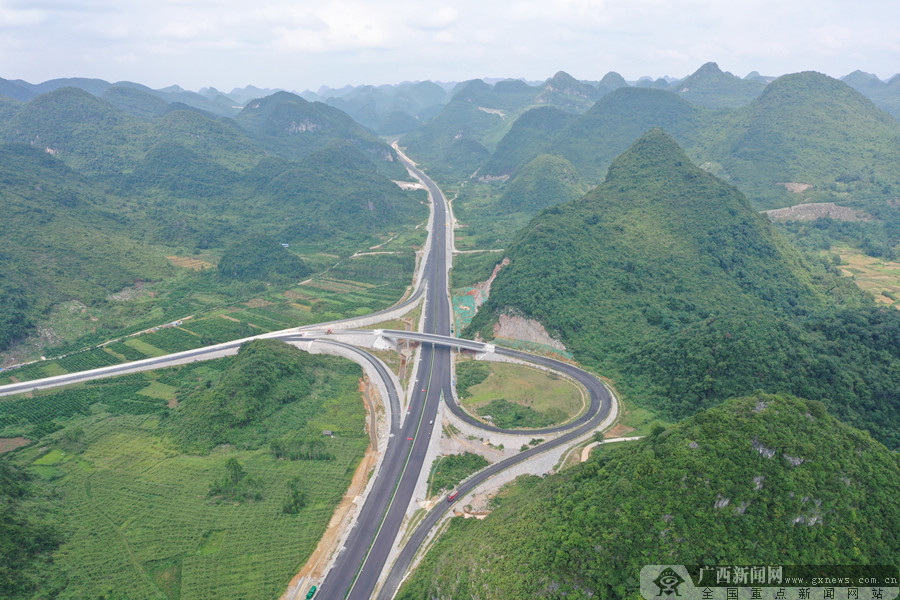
(362, 562)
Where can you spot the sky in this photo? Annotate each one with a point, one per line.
(299, 45)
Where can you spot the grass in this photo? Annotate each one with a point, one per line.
(527, 387)
(159, 390)
(144, 347)
(448, 471)
(636, 421)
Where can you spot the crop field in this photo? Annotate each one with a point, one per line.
(187, 262)
(219, 329)
(172, 339)
(33, 416)
(879, 277)
(82, 361)
(134, 509)
(138, 517)
(125, 351)
(556, 398)
(355, 287)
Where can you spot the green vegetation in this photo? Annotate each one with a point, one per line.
(492, 214)
(664, 279)
(803, 128)
(26, 539)
(469, 269)
(287, 125)
(458, 139)
(470, 373)
(137, 516)
(236, 486)
(261, 258)
(265, 375)
(95, 209)
(765, 479)
(508, 415)
(709, 86)
(296, 498)
(448, 471)
(882, 93)
(519, 146)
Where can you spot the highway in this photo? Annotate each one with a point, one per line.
(358, 567)
(360, 564)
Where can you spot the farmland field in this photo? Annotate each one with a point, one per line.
(135, 509)
(353, 287)
(879, 277)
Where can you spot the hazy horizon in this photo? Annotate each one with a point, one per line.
(304, 46)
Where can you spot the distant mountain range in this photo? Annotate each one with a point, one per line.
(399, 108)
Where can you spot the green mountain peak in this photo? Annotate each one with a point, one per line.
(654, 154)
(666, 280)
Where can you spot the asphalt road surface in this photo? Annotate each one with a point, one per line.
(359, 565)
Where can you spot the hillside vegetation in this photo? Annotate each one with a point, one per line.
(765, 479)
(805, 138)
(123, 494)
(265, 376)
(664, 278)
(27, 540)
(96, 195)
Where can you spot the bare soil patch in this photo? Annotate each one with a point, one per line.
(795, 187)
(187, 262)
(8, 444)
(529, 330)
(293, 295)
(258, 303)
(815, 210)
(618, 431)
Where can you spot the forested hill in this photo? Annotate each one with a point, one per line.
(94, 196)
(665, 279)
(765, 479)
(804, 128)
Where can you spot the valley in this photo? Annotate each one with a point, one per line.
(175, 273)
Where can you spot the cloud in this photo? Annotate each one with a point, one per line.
(229, 43)
(442, 18)
(18, 17)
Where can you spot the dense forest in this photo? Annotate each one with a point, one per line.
(96, 194)
(757, 479)
(801, 138)
(665, 279)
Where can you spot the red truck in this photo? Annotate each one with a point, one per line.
(452, 496)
